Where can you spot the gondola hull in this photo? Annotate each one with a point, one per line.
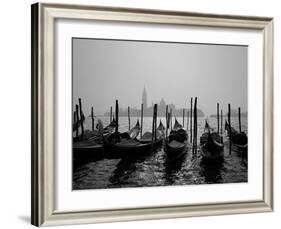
(240, 142)
(126, 145)
(176, 143)
(211, 154)
(211, 146)
(86, 151)
(175, 149)
(131, 148)
(238, 139)
(129, 151)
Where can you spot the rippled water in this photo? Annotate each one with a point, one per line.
(156, 170)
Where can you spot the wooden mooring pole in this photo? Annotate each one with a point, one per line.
(229, 127)
(155, 120)
(196, 127)
(77, 118)
(183, 114)
(92, 117)
(239, 119)
(218, 117)
(110, 114)
(171, 119)
(187, 120)
(191, 104)
(81, 116)
(153, 125)
(141, 120)
(129, 118)
(117, 117)
(194, 148)
(221, 121)
(167, 120)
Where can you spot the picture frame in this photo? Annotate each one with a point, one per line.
(44, 17)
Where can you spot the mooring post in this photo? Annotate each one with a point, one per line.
(187, 119)
(110, 115)
(129, 119)
(239, 119)
(183, 114)
(155, 125)
(75, 123)
(81, 116)
(171, 119)
(141, 120)
(195, 127)
(229, 126)
(117, 117)
(191, 104)
(221, 121)
(93, 120)
(77, 118)
(167, 120)
(218, 117)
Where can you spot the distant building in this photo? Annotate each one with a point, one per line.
(161, 109)
(233, 113)
(144, 99)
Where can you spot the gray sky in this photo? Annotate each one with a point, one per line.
(105, 70)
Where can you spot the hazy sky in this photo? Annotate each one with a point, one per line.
(105, 70)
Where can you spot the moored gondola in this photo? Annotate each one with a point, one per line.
(239, 140)
(128, 146)
(211, 144)
(85, 151)
(90, 148)
(176, 142)
(160, 133)
(132, 133)
(93, 135)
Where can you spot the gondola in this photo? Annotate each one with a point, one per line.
(90, 146)
(102, 132)
(176, 143)
(160, 133)
(239, 140)
(128, 146)
(132, 133)
(211, 144)
(109, 128)
(94, 135)
(85, 151)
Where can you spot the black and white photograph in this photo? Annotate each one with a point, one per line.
(145, 112)
(149, 113)
(153, 113)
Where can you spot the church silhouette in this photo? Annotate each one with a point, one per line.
(148, 110)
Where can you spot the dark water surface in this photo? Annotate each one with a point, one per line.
(156, 170)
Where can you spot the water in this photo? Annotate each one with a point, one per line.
(156, 170)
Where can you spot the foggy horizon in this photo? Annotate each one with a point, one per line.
(106, 70)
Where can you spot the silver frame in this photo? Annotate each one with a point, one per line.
(43, 19)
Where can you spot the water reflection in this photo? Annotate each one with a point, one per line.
(124, 170)
(211, 170)
(172, 167)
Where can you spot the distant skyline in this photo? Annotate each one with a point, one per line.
(161, 109)
(106, 70)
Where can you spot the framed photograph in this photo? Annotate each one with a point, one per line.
(146, 114)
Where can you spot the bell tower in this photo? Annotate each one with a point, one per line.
(144, 98)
